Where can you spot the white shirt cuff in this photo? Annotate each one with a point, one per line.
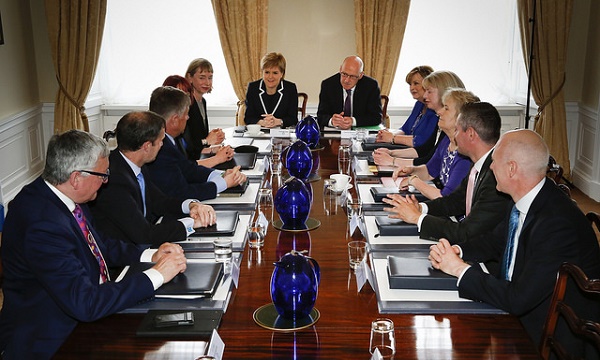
(188, 222)
(155, 277)
(147, 255)
(216, 177)
(185, 205)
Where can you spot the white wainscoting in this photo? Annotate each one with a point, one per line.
(22, 150)
(586, 152)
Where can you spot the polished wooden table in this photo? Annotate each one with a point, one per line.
(343, 329)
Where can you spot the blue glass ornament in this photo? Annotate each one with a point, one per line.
(295, 285)
(308, 131)
(299, 160)
(292, 203)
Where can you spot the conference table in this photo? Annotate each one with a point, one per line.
(341, 332)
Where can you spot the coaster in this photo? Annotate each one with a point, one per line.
(267, 317)
(310, 224)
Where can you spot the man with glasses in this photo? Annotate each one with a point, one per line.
(55, 262)
(349, 98)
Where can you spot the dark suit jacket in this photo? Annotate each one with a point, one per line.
(366, 107)
(287, 110)
(487, 210)
(554, 231)
(196, 129)
(179, 177)
(118, 208)
(51, 278)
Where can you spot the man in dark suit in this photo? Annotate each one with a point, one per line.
(172, 172)
(55, 261)
(547, 229)
(349, 98)
(130, 206)
(478, 130)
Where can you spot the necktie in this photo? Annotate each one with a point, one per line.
(513, 223)
(470, 189)
(140, 179)
(348, 103)
(89, 238)
(181, 145)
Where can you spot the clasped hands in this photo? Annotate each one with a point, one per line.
(234, 177)
(215, 136)
(341, 121)
(269, 121)
(384, 136)
(203, 215)
(169, 261)
(446, 257)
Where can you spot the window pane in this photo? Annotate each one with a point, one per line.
(147, 40)
(476, 39)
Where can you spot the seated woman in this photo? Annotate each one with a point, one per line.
(221, 153)
(197, 135)
(435, 84)
(446, 164)
(420, 129)
(272, 101)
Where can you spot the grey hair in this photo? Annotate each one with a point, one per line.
(70, 151)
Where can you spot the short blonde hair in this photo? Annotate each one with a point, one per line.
(273, 59)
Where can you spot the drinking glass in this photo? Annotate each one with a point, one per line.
(276, 147)
(354, 207)
(329, 197)
(265, 203)
(344, 159)
(383, 338)
(256, 235)
(357, 252)
(223, 249)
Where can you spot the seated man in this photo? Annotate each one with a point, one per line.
(543, 230)
(172, 172)
(55, 262)
(349, 98)
(130, 206)
(477, 131)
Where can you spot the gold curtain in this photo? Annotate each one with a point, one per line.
(552, 22)
(379, 30)
(243, 32)
(75, 29)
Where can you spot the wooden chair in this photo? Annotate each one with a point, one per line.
(384, 116)
(594, 218)
(582, 328)
(302, 101)
(239, 114)
(555, 171)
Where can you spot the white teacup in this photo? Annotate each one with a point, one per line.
(341, 181)
(253, 129)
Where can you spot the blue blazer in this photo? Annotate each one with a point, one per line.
(118, 208)
(51, 278)
(366, 107)
(283, 104)
(179, 177)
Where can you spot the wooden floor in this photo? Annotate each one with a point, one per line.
(586, 204)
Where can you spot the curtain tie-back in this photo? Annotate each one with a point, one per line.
(549, 100)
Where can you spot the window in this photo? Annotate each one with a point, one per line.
(477, 39)
(147, 40)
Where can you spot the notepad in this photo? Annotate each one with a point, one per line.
(199, 279)
(413, 270)
(379, 193)
(245, 161)
(235, 191)
(395, 227)
(226, 224)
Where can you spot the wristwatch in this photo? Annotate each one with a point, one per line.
(204, 142)
(410, 178)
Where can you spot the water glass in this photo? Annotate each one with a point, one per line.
(344, 157)
(357, 252)
(361, 134)
(256, 235)
(354, 208)
(329, 197)
(223, 250)
(265, 203)
(383, 337)
(276, 147)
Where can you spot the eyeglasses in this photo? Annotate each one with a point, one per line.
(346, 75)
(99, 174)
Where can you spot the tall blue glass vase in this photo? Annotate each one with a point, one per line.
(292, 203)
(308, 131)
(299, 160)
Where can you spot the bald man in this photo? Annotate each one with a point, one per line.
(349, 98)
(549, 230)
